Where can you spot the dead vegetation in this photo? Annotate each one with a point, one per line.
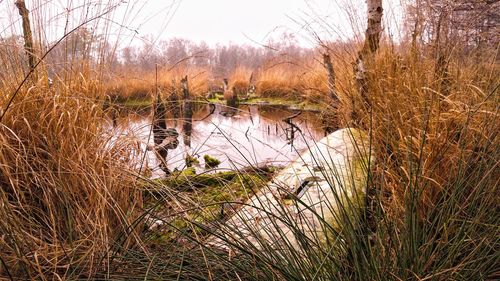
(72, 202)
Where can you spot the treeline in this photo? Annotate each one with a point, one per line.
(437, 28)
(470, 24)
(85, 46)
(221, 59)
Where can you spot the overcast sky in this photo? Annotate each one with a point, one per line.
(223, 21)
(212, 21)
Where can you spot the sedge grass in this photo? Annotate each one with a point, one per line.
(71, 206)
(433, 192)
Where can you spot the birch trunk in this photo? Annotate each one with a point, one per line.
(370, 46)
(365, 56)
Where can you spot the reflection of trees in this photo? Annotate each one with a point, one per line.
(292, 128)
(307, 120)
(187, 130)
(174, 104)
(159, 121)
(187, 125)
(164, 138)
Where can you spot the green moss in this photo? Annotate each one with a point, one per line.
(297, 104)
(191, 171)
(191, 160)
(292, 104)
(210, 162)
(189, 180)
(214, 198)
(134, 103)
(219, 99)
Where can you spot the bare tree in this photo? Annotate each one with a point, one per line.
(201, 53)
(148, 56)
(176, 50)
(129, 56)
(11, 53)
(472, 23)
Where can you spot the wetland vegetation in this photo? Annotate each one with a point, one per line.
(126, 162)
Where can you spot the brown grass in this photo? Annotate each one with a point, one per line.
(240, 88)
(278, 81)
(305, 80)
(69, 199)
(66, 192)
(239, 81)
(412, 121)
(141, 86)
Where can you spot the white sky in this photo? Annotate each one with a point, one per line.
(223, 21)
(212, 21)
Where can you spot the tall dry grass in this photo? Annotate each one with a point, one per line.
(239, 81)
(71, 206)
(297, 80)
(131, 85)
(414, 123)
(432, 194)
(67, 193)
(278, 81)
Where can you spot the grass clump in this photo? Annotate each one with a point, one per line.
(239, 81)
(278, 82)
(430, 193)
(56, 168)
(201, 201)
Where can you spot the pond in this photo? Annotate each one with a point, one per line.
(251, 135)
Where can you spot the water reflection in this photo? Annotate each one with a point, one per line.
(187, 121)
(252, 136)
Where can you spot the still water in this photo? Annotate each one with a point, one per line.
(249, 136)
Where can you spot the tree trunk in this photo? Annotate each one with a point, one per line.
(230, 95)
(28, 37)
(365, 58)
(417, 29)
(370, 46)
(327, 61)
